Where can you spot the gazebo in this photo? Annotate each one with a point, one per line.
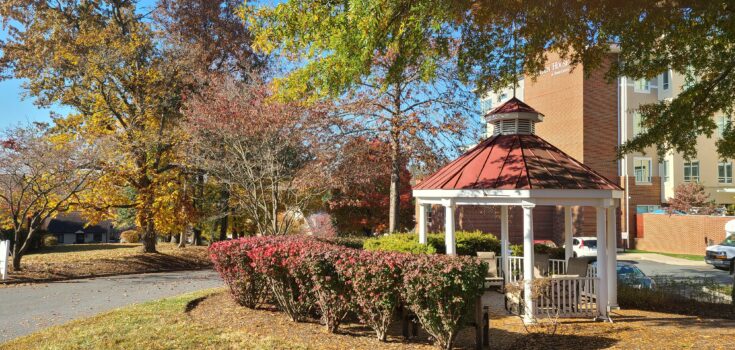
(515, 167)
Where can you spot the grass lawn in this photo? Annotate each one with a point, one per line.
(89, 260)
(680, 256)
(154, 325)
(211, 320)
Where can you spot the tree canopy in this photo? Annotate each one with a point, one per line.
(499, 41)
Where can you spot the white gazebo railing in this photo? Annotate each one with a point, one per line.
(567, 297)
(562, 296)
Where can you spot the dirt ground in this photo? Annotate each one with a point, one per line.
(631, 329)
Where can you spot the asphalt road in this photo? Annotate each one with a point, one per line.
(25, 309)
(653, 268)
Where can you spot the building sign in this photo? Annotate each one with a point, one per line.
(557, 67)
(4, 253)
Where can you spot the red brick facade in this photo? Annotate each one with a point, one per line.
(680, 234)
(548, 221)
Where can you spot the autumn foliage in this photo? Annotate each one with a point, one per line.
(691, 198)
(360, 203)
(302, 274)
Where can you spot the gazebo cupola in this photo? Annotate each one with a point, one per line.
(513, 117)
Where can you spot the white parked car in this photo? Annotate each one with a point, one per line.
(584, 246)
(722, 256)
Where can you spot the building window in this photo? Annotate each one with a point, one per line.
(642, 170)
(642, 86)
(665, 170)
(665, 80)
(724, 173)
(691, 171)
(60, 238)
(638, 127)
(485, 105)
(723, 122)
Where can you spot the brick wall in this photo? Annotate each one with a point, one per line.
(548, 221)
(600, 110)
(680, 234)
(641, 195)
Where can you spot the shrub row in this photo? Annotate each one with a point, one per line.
(302, 274)
(468, 243)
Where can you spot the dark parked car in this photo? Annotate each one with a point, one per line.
(632, 276)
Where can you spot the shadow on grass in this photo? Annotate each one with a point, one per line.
(102, 267)
(75, 248)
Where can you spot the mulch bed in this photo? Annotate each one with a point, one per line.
(134, 262)
(219, 310)
(632, 329)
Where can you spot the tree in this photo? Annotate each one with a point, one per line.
(101, 59)
(206, 39)
(404, 92)
(690, 195)
(274, 157)
(500, 41)
(690, 37)
(360, 202)
(40, 179)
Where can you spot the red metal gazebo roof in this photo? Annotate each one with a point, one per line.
(516, 161)
(511, 106)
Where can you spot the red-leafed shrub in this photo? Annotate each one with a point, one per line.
(440, 289)
(231, 260)
(306, 273)
(330, 289)
(281, 264)
(376, 280)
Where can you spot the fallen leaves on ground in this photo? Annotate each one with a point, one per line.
(75, 261)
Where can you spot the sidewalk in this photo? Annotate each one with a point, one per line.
(663, 259)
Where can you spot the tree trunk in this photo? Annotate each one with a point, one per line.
(149, 237)
(182, 239)
(225, 208)
(395, 173)
(196, 238)
(16, 261)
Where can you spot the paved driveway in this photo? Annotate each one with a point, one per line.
(655, 264)
(25, 309)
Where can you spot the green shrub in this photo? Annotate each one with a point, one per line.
(130, 236)
(554, 253)
(49, 240)
(468, 243)
(399, 242)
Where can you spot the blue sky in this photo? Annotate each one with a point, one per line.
(15, 108)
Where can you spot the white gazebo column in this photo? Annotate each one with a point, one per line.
(602, 271)
(612, 258)
(423, 208)
(504, 244)
(449, 239)
(528, 308)
(568, 247)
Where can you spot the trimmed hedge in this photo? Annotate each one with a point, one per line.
(49, 240)
(468, 243)
(303, 274)
(400, 242)
(130, 236)
(554, 253)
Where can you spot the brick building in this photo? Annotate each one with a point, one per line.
(588, 117)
